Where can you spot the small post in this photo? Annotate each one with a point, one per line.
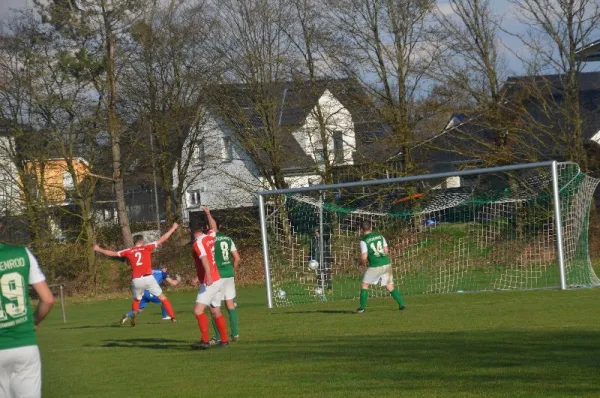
(265, 245)
(321, 247)
(559, 227)
(62, 304)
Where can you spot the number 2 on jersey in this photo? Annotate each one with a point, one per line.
(139, 262)
(378, 250)
(12, 288)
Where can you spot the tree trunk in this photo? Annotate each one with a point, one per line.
(115, 134)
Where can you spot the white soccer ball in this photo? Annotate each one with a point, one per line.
(318, 291)
(313, 264)
(281, 293)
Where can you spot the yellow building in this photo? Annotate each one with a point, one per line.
(56, 179)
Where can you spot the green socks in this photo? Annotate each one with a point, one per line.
(233, 321)
(214, 324)
(364, 295)
(397, 296)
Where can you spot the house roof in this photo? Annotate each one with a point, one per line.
(589, 53)
(471, 131)
(288, 104)
(553, 84)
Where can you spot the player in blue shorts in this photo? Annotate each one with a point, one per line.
(161, 277)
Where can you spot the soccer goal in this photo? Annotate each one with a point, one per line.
(502, 228)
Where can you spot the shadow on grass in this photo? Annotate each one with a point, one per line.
(91, 327)
(315, 312)
(155, 344)
(532, 363)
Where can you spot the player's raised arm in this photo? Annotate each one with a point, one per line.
(109, 253)
(168, 234)
(212, 224)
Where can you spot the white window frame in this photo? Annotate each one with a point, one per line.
(199, 153)
(227, 150)
(68, 181)
(338, 137)
(194, 198)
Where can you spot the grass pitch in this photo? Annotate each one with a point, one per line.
(535, 343)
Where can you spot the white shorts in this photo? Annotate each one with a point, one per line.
(375, 275)
(210, 295)
(21, 372)
(228, 288)
(138, 285)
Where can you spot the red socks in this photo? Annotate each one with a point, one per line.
(203, 324)
(222, 327)
(135, 305)
(167, 304)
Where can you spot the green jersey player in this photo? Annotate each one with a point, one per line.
(374, 254)
(227, 259)
(20, 366)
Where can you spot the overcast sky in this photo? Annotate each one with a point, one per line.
(502, 8)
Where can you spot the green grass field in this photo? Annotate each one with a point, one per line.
(530, 343)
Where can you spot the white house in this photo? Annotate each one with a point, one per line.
(223, 174)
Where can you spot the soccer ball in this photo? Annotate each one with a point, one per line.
(281, 293)
(313, 264)
(318, 291)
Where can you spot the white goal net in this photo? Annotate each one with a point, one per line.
(484, 231)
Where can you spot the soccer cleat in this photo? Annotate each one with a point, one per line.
(133, 317)
(359, 310)
(222, 344)
(212, 341)
(329, 292)
(402, 308)
(166, 318)
(201, 345)
(123, 319)
(234, 338)
(173, 320)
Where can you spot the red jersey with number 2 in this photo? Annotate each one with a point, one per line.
(204, 245)
(140, 259)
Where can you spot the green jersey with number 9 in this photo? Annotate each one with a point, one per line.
(374, 245)
(223, 248)
(16, 316)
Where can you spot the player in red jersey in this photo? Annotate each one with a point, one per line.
(209, 294)
(140, 260)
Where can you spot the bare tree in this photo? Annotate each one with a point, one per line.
(556, 30)
(93, 31)
(168, 70)
(388, 47)
(254, 53)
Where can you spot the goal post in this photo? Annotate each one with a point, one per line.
(519, 226)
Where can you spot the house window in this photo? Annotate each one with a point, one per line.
(338, 147)
(68, 181)
(319, 159)
(194, 198)
(227, 149)
(198, 156)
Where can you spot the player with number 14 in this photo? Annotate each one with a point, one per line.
(374, 252)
